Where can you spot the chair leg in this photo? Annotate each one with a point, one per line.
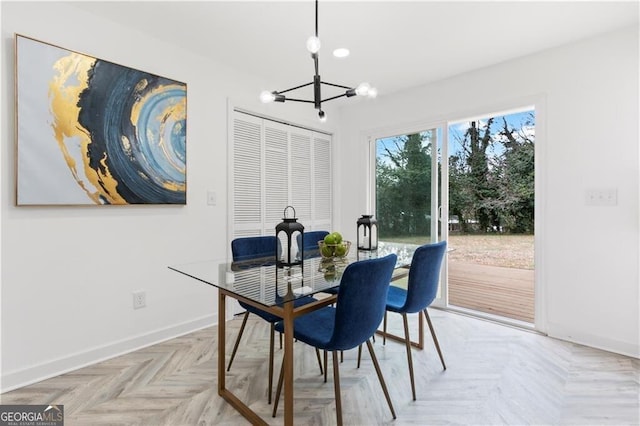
(359, 354)
(235, 346)
(325, 366)
(336, 387)
(271, 344)
(380, 378)
(407, 342)
(319, 360)
(384, 329)
(435, 339)
(279, 389)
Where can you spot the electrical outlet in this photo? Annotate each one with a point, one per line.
(139, 299)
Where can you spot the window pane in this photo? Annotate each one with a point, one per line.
(403, 187)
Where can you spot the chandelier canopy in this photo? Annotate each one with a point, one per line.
(313, 46)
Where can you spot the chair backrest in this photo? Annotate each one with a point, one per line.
(247, 248)
(311, 239)
(424, 276)
(362, 299)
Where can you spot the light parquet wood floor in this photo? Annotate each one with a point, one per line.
(496, 375)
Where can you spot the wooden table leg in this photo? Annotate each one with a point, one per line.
(227, 395)
(288, 364)
(221, 341)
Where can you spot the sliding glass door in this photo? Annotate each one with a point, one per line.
(410, 188)
(492, 186)
(480, 170)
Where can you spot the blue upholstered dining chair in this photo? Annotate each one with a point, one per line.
(422, 287)
(351, 322)
(248, 248)
(311, 239)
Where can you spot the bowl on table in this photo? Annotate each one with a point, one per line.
(329, 251)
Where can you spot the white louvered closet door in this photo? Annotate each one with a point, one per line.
(322, 198)
(301, 168)
(275, 165)
(247, 176)
(276, 179)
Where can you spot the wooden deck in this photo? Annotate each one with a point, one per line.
(506, 292)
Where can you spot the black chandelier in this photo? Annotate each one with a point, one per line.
(313, 46)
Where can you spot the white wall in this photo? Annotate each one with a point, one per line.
(587, 257)
(68, 272)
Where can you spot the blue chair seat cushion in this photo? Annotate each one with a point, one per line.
(396, 299)
(273, 318)
(315, 328)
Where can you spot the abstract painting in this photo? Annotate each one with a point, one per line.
(92, 132)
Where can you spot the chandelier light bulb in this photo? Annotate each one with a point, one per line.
(373, 92)
(267, 97)
(313, 44)
(363, 89)
(322, 116)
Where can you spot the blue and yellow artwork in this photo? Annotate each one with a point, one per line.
(95, 132)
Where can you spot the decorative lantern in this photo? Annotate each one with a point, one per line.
(289, 228)
(367, 233)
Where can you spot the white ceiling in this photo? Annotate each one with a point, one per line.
(394, 44)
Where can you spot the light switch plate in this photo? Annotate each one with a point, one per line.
(601, 197)
(211, 198)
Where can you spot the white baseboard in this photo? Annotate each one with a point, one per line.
(600, 342)
(16, 379)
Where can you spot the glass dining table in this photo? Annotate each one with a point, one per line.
(258, 282)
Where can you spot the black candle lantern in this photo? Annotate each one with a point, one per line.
(367, 233)
(289, 228)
